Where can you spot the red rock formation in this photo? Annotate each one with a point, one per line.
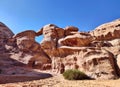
(97, 63)
(96, 53)
(76, 40)
(51, 35)
(80, 50)
(70, 30)
(5, 35)
(35, 57)
(107, 31)
(5, 32)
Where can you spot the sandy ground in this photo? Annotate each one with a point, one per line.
(58, 81)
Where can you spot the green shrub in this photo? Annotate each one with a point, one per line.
(74, 75)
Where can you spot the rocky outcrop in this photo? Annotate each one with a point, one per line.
(26, 40)
(70, 30)
(76, 40)
(100, 44)
(12, 71)
(51, 35)
(96, 52)
(5, 32)
(31, 51)
(23, 48)
(5, 35)
(107, 31)
(88, 52)
(96, 63)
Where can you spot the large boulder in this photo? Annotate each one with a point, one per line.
(107, 31)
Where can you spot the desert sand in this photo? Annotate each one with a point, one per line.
(58, 81)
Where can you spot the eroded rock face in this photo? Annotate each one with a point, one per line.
(118, 61)
(107, 31)
(97, 63)
(51, 35)
(5, 35)
(100, 44)
(5, 32)
(76, 40)
(31, 51)
(70, 30)
(88, 52)
(26, 40)
(115, 42)
(96, 53)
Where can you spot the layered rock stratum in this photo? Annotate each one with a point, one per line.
(97, 52)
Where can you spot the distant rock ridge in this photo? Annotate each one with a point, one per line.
(7, 33)
(107, 31)
(96, 52)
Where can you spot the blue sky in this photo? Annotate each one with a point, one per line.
(20, 15)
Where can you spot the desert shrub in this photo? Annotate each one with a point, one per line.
(74, 74)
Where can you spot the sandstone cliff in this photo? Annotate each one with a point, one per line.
(89, 52)
(97, 53)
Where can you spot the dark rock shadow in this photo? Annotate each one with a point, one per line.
(12, 71)
(4, 79)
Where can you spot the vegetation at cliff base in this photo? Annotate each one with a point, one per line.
(74, 74)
